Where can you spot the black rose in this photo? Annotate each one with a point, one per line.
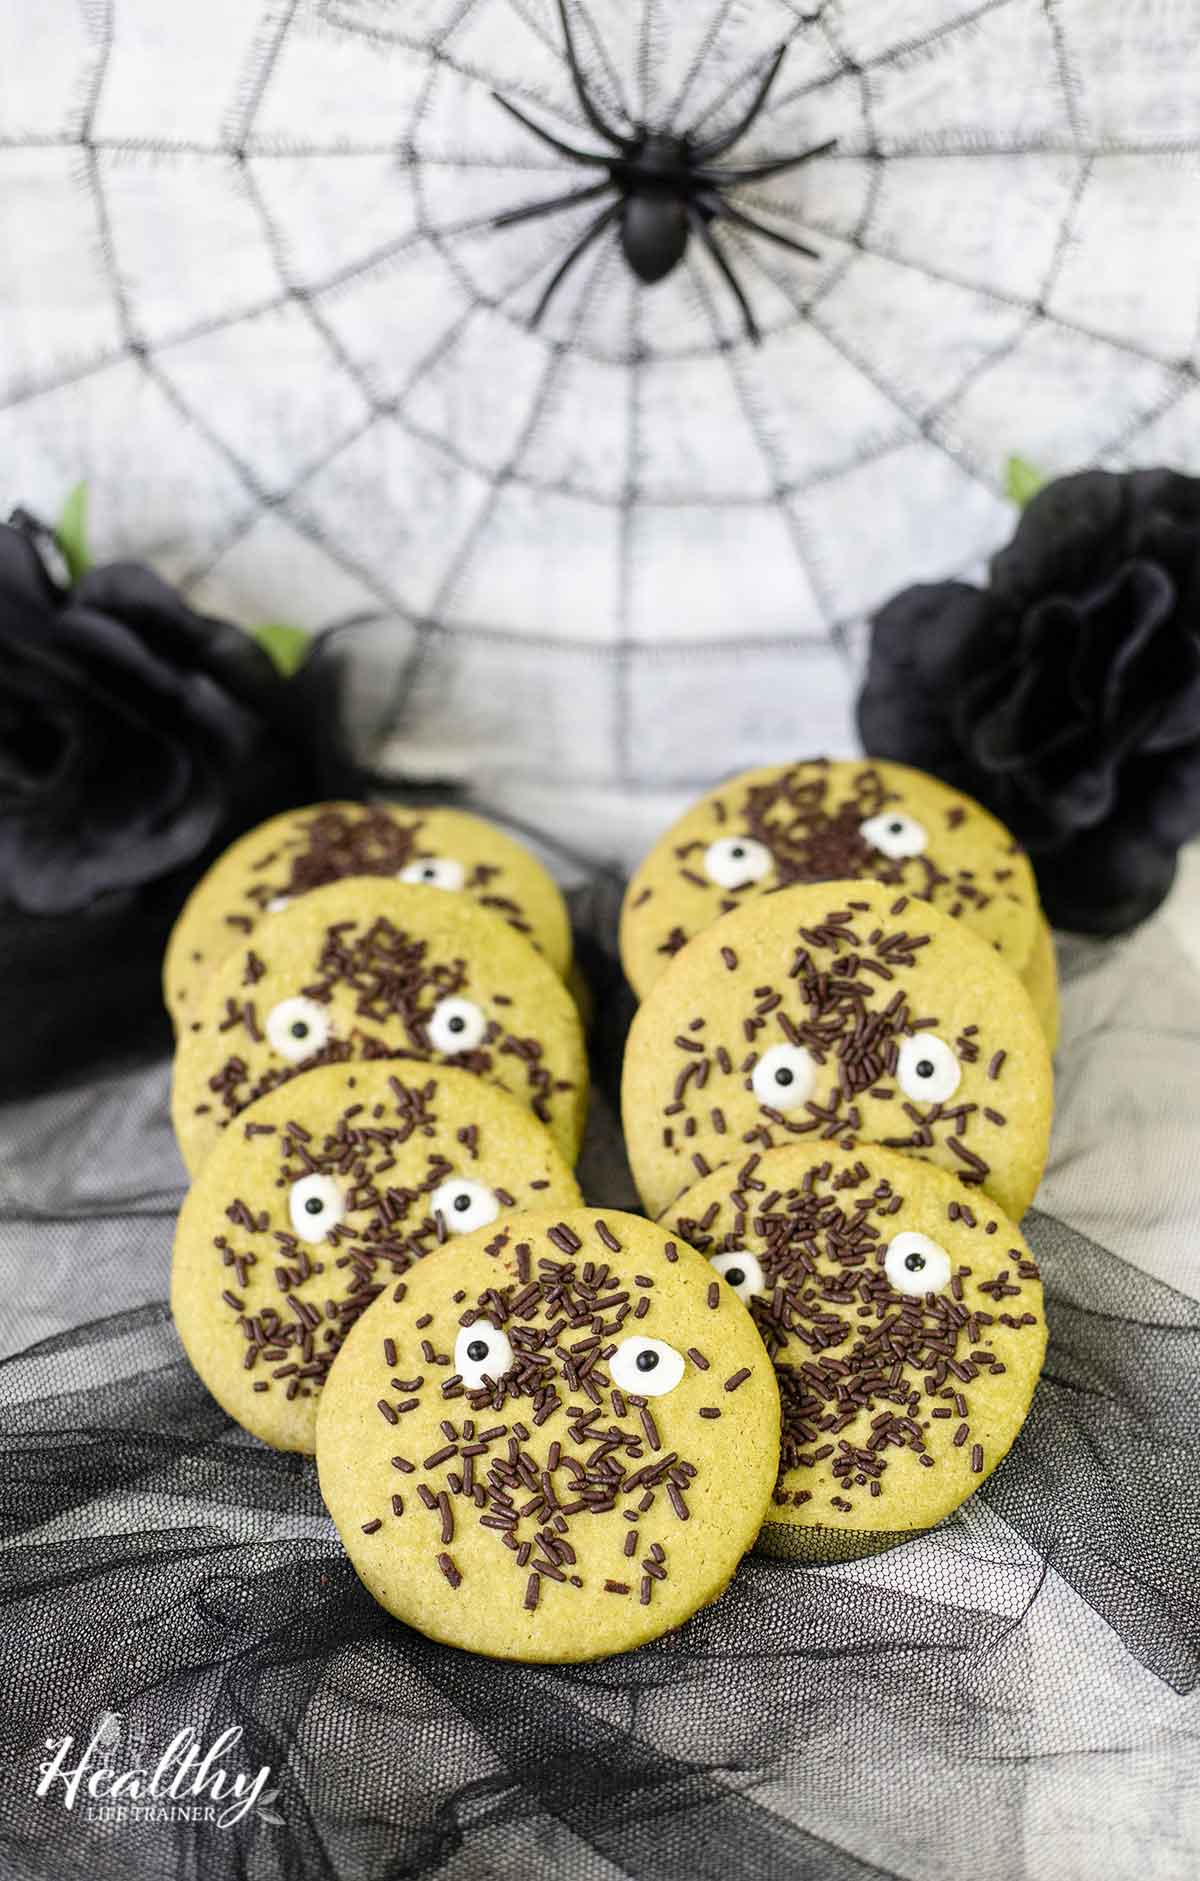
(137, 738)
(1066, 694)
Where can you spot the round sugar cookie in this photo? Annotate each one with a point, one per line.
(845, 1012)
(321, 1194)
(1040, 977)
(366, 969)
(305, 849)
(827, 820)
(555, 1448)
(906, 1325)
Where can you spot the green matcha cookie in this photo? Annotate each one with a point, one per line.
(366, 969)
(847, 1013)
(906, 1325)
(325, 1192)
(306, 849)
(826, 820)
(551, 1443)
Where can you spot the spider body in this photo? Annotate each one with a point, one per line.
(653, 182)
(662, 186)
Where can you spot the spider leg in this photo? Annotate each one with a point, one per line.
(551, 205)
(700, 225)
(716, 145)
(593, 230)
(755, 172)
(587, 105)
(547, 137)
(718, 208)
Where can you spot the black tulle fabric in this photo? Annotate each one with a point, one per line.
(963, 1705)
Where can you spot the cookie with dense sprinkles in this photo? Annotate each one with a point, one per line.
(906, 1325)
(844, 1013)
(822, 820)
(325, 1193)
(367, 969)
(556, 1445)
(305, 849)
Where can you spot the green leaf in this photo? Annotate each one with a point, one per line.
(1022, 481)
(71, 533)
(287, 646)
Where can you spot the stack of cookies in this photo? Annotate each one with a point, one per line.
(376, 1052)
(543, 1433)
(838, 1087)
(546, 1432)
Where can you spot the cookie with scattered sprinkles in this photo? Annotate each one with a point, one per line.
(551, 1442)
(824, 820)
(321, 1196)
(366, 969)
(844, 1013)
(906, 1325)
(305, 849)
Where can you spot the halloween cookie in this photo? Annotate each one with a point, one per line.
(906, 1325)
(553, 1441)
(321, 1194)
(365, 969)
(825, 820)
(305, 849)
(847, 1013)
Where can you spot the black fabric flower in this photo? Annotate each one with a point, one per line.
(137, 738)
(1066, 694)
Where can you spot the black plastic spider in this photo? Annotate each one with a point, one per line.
(666, 189)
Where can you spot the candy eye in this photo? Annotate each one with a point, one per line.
(482, 1351)
(743, 1271)
(783, 1077)
(435, 872)
(278, 903)
(927, 1068)
(296, 1028)
(464, 1204)
(915, 1264)
(456, 1025)
(315, 1205)
(733, 861)
(895, 835)
(647, 1366)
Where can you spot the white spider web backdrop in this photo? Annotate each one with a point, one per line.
(250, 290)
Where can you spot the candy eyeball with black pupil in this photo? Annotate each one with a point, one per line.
(482, 1351)
(296, 1028)
(736, 861)
(915, 1264)
(927, 1068)
(315, 1205)
(435, 872)
(464, 1204)
(456, 1025)
(784, 1077)
(649, 1367)
(895, 835)
(742, 1270)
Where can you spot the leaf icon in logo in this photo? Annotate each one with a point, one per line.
(266, 1811)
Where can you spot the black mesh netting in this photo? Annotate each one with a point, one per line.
(1014, 1695)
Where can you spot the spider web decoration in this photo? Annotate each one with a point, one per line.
(253, 292)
